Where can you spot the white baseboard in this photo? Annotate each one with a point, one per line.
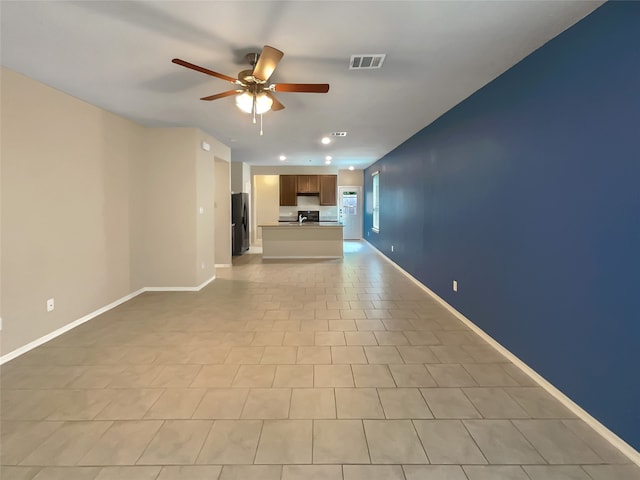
(206, 282)
(69, 326)
(56, 333)
(316, 257)
(607, 434)
(180, 289)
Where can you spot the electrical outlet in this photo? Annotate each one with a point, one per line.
(455, 285)
(50, 305)
(392, 248)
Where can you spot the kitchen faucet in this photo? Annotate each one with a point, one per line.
(301, 219)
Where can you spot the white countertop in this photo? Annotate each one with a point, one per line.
(303, 225)
(294, 219)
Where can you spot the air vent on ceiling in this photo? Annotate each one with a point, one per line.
(338, 134)
(366, 62)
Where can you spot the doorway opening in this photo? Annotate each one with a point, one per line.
(350, 211)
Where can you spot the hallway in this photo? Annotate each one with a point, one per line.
(339, 369)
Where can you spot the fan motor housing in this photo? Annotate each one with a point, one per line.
(246, 76)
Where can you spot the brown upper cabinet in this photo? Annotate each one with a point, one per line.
(308, 184)
(288, 190)
(326, 186)
(328, 189)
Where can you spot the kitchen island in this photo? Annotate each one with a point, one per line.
(306, 240)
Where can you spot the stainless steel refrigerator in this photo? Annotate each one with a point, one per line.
(239, 223)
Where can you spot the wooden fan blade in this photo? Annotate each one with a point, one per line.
(197, 68)
(276, 105)
(222, 95)
(267, 63)
(301, 87)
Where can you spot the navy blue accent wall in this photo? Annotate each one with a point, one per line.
(528, 194)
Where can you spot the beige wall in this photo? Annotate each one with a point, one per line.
(267, 189)
(214, 198)
(240, 177)
(222, 213)
(164, 244)
(1, 72)
(205, 212)
(94, 207)
(350, 178)
(237, 177)
(171, 239)
(65, 208)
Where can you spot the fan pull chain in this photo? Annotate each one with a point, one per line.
(254, 109)
(261, 132)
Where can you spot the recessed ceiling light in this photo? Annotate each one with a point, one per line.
(351, 167)
(327, 161)
(282, 158)
(326, 140)
(328, 157)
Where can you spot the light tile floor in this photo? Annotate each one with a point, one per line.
(288, 370)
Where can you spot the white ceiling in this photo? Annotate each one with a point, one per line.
(117, 55)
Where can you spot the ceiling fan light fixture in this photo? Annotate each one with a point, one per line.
(252, 89)
(263, 103)
(244, 102)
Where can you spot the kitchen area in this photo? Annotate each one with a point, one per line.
(310, 233)
(297, 212)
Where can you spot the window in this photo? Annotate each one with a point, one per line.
(376, 201)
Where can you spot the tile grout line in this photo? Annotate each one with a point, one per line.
(213, 423)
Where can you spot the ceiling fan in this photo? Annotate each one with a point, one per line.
(253, 93)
